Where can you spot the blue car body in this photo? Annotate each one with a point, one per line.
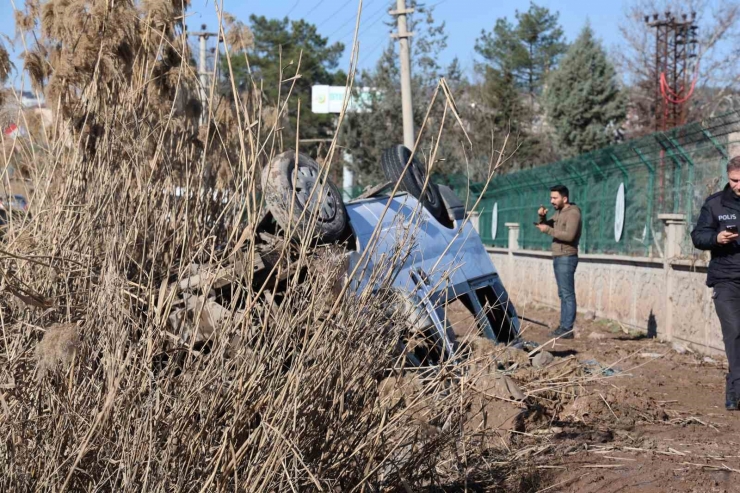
(433, 264)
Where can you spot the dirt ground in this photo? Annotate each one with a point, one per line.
(658, 424)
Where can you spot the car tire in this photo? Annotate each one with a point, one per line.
(393, 162)
(278, 180)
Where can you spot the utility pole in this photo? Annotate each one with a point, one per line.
(203, 73)
(403, 42)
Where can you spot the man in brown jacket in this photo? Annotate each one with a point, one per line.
(565, 229)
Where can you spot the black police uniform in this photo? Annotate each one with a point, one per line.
(723, 275)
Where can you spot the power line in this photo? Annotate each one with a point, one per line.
(377, 18)
(363, 56)
(353, 17)
(316, 6)
(377, 13)
(349, 19)
(334, 13)
(293, 7)
(380, 43)
(317, 25)
(380, 17)
(371, 51)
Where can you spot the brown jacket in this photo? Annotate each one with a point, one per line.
(565, 229)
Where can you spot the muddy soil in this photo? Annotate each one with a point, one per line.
(655, 422)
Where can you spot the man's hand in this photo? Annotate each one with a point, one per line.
(542, 211)
(725, 237)
(542, 228)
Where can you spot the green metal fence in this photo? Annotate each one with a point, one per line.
(665, 172)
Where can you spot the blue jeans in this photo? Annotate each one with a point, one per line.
(565, 272)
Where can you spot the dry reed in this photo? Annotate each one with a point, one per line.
(283, 396)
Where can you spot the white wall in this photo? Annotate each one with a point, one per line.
(629, 290)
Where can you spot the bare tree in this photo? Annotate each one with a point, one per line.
(718, 70)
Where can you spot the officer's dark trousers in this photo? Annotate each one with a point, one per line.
(727, 303)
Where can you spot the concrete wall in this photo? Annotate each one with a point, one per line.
(650, 294)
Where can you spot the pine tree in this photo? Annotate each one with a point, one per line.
(528, 50)
(501, 48)
(516, 61)
(583, 97)
(502, 96)
(280, 41)
(543, 40)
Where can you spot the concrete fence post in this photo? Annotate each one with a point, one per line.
(512, 246)
(475, 220)
(675, 232)
(513, 236)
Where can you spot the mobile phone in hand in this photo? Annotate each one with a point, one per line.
(731, 229)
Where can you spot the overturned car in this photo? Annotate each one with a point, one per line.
(418, 233)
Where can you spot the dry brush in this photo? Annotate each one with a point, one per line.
(98, 391)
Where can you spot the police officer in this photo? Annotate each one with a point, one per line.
(717, 230)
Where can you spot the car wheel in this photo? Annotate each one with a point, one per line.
(393, 161)
(288, 177)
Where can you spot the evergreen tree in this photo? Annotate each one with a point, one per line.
(501, 48)
(583, 98)
(275, 52)
(528, 50)
(366, 134)
(502, 96)
(543, 40)
(516, 61)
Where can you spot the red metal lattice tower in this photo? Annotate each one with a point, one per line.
(674, 74)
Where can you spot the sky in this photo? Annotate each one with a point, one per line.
(464, 20)
(335, 19)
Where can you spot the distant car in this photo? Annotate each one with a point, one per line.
(14, 202)
(31, 100)
(16, 205)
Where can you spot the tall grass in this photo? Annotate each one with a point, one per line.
(98, 390)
